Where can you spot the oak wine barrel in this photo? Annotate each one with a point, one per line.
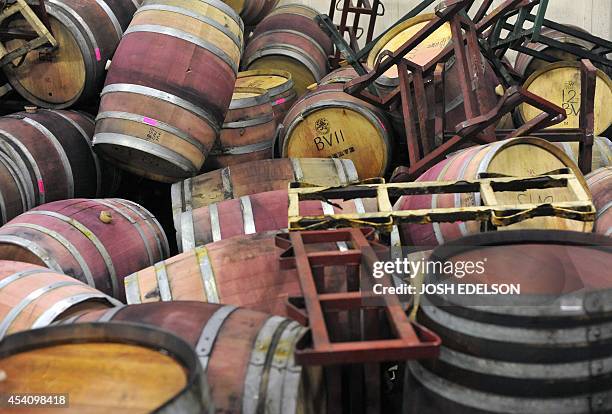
(278, 83)
(50, 157)
(169, 87)
(252, 214)
(289, 49)
(519, 157)
(545, 350)
(103, 367)
(33, 297)
(215, 273)
(602, 152)
(331, 123)
(98, 242)
(88, 34)
(297, 17)
(600, 184)
(254, 11)
(248, 131)
(526, 64)
(258, 177)
(247, 355)
(560, 83)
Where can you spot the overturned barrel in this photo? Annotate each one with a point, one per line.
(543, 350)
(101, 368)
(87, 34)
(261, 376)
(278, 83)
(560, 83)
(248, 131)
(600, 184)
(258, 177)
(253, 214)
(537, 157)
(98, 242)
(169, 87)
(33, 297)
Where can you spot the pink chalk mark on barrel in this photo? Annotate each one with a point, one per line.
(41, 187)
(149, 121)
(280, 101)
(98, 55)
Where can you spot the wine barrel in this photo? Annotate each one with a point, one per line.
(526, 64)
(297, 17)
(88, 34)
(291, 50)
(279, 85)
(602, 152)
(51, 157)
(422, 54)
(258, 177)
(252, 214)
(33, 297)
(545, 350)
(331, 123)
(103, 367)
(536, 157)
(600, 184)
(560, 83)
(98, 242)
(215, 274)
(248, 131)
(169, 88)
(254, 11)
(247, 355)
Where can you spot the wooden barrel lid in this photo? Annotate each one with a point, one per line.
(274, 81)
(421, 54)
(559, 83)
(102, 367)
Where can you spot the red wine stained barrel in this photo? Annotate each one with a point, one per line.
(215, 274)
(248, 130)
(600, 184)
(278, 83)
(51, 150)
(33, 297)
(536, 157)
(169, 88)
(530, 352)
(290, 50)
(253, 11)
(252, 214)
(297, 17)
(247, 355)
(88, 33)
(98, 242)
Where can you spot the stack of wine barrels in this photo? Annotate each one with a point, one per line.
(545, 350)
(258, 177)
(520, 157)
(46, 155)
(248, 130)
(560, 84)
(291, 40)
(88, 34)
(278, 83)
(98, 242)
(169, 87)
(102, 367)
(33, 297)
(247, 356)
(600, 184)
